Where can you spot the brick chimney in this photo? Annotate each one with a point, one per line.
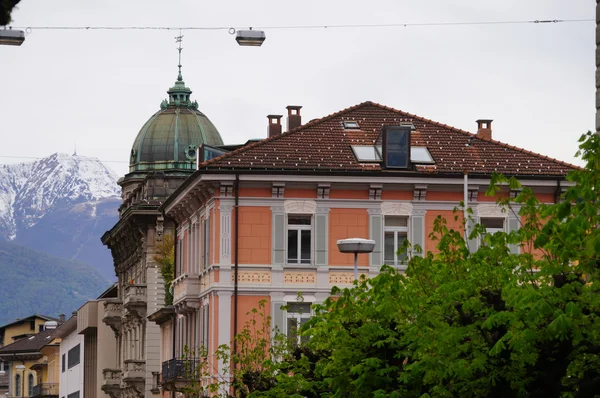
(484, 129)
(274, 127)
(294, 118)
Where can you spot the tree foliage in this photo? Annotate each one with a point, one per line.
(165, 258)
(6, 9)
(460, 324)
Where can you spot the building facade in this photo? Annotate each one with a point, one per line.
(71, 360)
(163, 155)
(261, 223)
(31, 363)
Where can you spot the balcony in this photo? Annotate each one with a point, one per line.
(45, 390)
(178, 373)
(111, 383)
(112, 313)
(135, 299)
(134, 370)
(186, 293)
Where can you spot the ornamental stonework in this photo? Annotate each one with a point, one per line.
(343, 278)
(300, 278)
(252, 277)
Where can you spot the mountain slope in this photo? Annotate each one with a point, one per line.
(60, 205)
(34, 282)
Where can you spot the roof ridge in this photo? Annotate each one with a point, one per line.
(503, 144)
(279, 136)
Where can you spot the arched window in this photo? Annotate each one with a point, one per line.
(18, 391)
(30, 385)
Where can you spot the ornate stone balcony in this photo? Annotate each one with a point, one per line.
(135, 299)
(111, 383)
(45, 390)
(186, 292)
(134, 370)
(134, 378)
(112, 313)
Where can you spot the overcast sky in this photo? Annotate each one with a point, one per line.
(97, 88)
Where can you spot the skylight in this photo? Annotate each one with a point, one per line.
(350, 124)
(420, 155)
(372, 154)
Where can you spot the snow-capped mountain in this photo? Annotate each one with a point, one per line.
(61, 205)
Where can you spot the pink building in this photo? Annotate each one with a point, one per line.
(272, 212)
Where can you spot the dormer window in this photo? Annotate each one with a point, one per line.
(351, 125)
(396, 147)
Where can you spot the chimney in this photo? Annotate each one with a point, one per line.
(484, 129)
(294, 118)
(274, 127)
(61, 318)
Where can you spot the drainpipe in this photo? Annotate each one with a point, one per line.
(236, 188)
(174, 328)
(466, 205)
(236, 264)
(557, 193)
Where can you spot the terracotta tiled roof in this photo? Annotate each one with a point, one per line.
(323, 145)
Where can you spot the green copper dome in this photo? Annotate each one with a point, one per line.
(171, 137)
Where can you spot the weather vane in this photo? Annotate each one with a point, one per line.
(179, 39)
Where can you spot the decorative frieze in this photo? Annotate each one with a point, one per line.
(252, 277)
(338, 278)
(300, 206)
(300, 277)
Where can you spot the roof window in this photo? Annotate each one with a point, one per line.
(372, 154)
(420, 155)
(351, 125)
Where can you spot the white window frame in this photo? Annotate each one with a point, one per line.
(491, 231)
(298, 316)
(300, 228)
(395, 230)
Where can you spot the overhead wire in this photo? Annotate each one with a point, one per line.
(333, 26)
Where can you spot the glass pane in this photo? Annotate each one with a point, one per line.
(402, 252)
(299, 220)
(366, 153)
(395, 221)
(292, 246)
(420, 154)
(292, 327)
(388, 248)
(305, 247)
(299, 308)
(492, 223)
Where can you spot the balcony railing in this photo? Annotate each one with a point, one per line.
(111, 383)
(45, 390)
(181, 370)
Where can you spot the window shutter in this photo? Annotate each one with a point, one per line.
(278, 238)
(321, 239)
(278, 318)
(513, 225)
(473, 244)
(418, 233)
(376, 232)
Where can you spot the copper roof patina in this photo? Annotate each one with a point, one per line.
(169, 140)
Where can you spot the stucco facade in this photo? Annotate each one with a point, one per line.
(262, 223)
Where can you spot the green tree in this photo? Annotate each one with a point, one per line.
(6, 8)
(462, 324)
(165, 258)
